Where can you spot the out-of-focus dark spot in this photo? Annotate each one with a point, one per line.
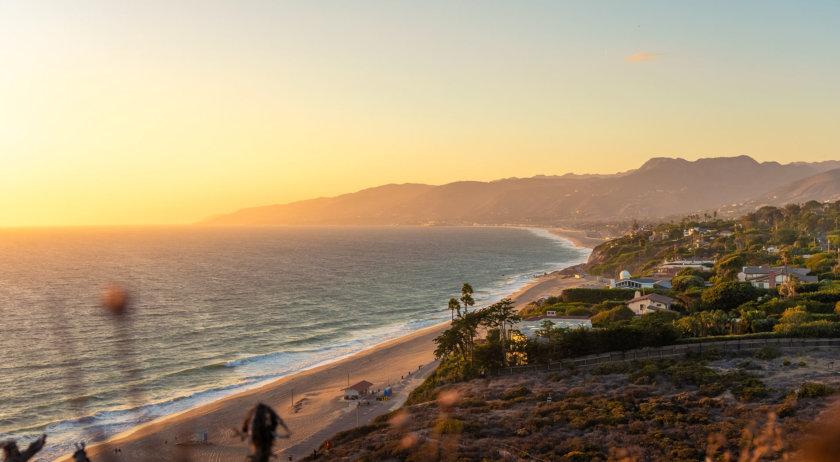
(115, 299)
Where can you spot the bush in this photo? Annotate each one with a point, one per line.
(605, 318)
(764, 325)
(449, 427)
(766, 353)
(644, 375)
(611, 368)
(813, 390)
(578, 311)
(814, 329)
(751, 392)
(595, 296)
(787, 408)
(515, 393)
(729, 295)
(747, 364)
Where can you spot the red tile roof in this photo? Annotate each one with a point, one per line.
(361, 386)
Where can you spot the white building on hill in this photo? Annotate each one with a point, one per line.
(644, 304)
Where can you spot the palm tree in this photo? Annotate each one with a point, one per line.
(453, 307)
(466, 296)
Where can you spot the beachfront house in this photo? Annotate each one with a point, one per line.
(633, 283)
(358, 390)
(644, 304)
(529, 326)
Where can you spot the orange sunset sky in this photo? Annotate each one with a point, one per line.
(166, 112)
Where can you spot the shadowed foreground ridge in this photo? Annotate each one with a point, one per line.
(710, 407)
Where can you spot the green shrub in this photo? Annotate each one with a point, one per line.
(786, 362)
(578, 311)
(449, 427)
(644, 375)
(594, 296)
(764, 325)
(515, 393)
(747, 364)
(746, 387)
(787, 408)
(611, 368)
(801, 364)
(767, 353)
(813, 390)
(712, 389)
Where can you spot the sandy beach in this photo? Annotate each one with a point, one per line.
(311, 402)
(577, 237)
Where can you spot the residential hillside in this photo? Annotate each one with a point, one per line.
(661, 188)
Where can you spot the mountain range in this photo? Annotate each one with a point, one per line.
(661, 188)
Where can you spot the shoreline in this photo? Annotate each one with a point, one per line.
(309, 401)
(577, 237)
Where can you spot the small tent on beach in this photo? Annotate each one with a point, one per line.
(357, 390)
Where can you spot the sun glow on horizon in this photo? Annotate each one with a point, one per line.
(160, 113)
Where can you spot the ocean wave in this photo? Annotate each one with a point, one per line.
(199, 363)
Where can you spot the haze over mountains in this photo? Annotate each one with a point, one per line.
(659, 189)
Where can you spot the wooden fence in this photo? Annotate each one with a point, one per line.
(670, 351)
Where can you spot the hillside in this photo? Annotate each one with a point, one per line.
(662, 187)
(821, 187)
(723, 407)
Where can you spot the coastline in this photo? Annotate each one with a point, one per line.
(576, 237)
(310, 401)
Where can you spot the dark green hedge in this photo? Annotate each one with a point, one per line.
(595, 296)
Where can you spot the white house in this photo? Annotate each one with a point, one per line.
(529, 326)
(766, 277)
(630, 283)
(641, 305)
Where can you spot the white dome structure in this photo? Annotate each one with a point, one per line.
(624, 275)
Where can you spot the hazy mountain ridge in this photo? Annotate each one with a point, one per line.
(822, 186)
(661, 187)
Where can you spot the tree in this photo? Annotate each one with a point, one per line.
(748, 319)
(729, 265)
(466, 296)
(619, 313)
(729, 295)
(792, 317)
(500, 315)
(788, 289)
(453, 307)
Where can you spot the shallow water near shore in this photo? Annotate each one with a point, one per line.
(216, 311)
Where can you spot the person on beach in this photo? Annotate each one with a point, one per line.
(11, 453)
(262, 424)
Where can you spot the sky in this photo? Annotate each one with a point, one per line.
(166, 112)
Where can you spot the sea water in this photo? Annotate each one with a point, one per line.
(215, 311)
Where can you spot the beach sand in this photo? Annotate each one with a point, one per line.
(578, 237)
(311, 402)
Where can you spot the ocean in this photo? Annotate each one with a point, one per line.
(215, 311)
